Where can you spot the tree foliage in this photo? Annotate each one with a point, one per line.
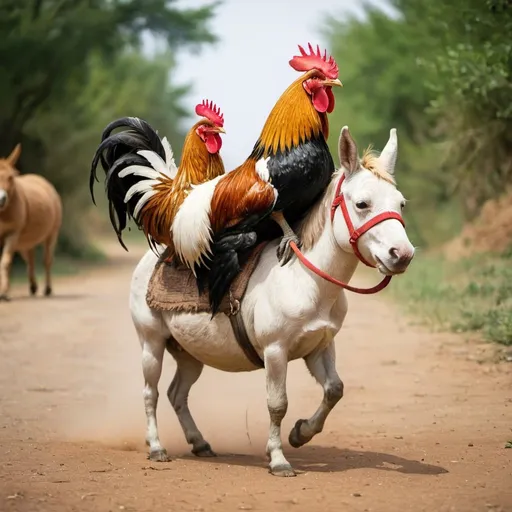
(44, 43)
(441, 73)
(70, 67)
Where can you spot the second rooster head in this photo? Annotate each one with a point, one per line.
(210, 128)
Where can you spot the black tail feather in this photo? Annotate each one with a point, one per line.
(116, 152)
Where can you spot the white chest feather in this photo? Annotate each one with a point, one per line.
(262, 169)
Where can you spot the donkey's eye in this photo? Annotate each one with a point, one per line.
(362, 205)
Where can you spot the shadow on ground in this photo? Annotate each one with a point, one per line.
(323, 459)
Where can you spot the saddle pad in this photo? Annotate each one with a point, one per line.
(174, 288)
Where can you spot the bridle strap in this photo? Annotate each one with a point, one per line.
(341, 284)
(355, 234)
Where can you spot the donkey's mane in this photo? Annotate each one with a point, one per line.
(313, 224)
(370, 161)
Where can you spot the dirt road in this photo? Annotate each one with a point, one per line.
(422, 426)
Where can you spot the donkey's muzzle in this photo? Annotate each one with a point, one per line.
(3, 198)
(400, 257)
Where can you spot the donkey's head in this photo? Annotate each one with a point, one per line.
(7, 174)
(373, 205)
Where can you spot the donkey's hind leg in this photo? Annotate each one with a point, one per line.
(188, 370)
(29, 257)
(49, 250)
(322, 366)
(153, 348)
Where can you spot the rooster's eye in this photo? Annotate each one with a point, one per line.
(362, 205)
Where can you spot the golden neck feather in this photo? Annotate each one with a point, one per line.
(197, 164)
(293, 120)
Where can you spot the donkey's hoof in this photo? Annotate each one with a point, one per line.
(296, 439)
(205, 450)
(282, 470)
(159, 456)
(47, 291)
(33, 289)
(4, 298)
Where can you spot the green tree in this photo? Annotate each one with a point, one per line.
(472, 62)
(45, 43)
(70, 129)
(69, 68)
(440, 72)
(385, 88)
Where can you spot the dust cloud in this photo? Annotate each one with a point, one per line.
(230, 409)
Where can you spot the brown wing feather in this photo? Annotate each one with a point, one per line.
(239, 194)
(157, 215)
(197, 166)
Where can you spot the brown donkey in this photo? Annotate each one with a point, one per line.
(30, 214)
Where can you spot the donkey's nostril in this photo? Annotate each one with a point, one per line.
(394, 253)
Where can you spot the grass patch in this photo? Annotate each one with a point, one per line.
(470, 295)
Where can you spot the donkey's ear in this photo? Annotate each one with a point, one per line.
(389, 153)
(347, 151)
(15, 154)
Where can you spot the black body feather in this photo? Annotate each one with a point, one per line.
(300, 175)
(116, 152)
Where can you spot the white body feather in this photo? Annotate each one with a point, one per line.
(191, 228)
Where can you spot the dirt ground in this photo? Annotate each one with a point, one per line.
(422, 426)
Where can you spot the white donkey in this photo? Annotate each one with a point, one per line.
(289, 311)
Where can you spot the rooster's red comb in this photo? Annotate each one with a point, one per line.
(315, 60)
(211, 112)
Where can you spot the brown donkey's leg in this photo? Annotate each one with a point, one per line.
(49, 249)
(29, 257)
(5, 265)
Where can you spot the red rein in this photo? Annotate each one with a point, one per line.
(355, 234)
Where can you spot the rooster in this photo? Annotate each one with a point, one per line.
(288, 170)
(142, 181)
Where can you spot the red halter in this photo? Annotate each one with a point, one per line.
(355, 234)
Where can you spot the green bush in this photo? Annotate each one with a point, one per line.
(471, 295)
(441, 73)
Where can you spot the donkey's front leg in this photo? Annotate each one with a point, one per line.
(5, 265)
(322, 366)
(276, 365)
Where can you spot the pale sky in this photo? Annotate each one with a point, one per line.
(247, 70)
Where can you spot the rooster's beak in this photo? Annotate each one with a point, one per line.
(218, 129)
(332, 83)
